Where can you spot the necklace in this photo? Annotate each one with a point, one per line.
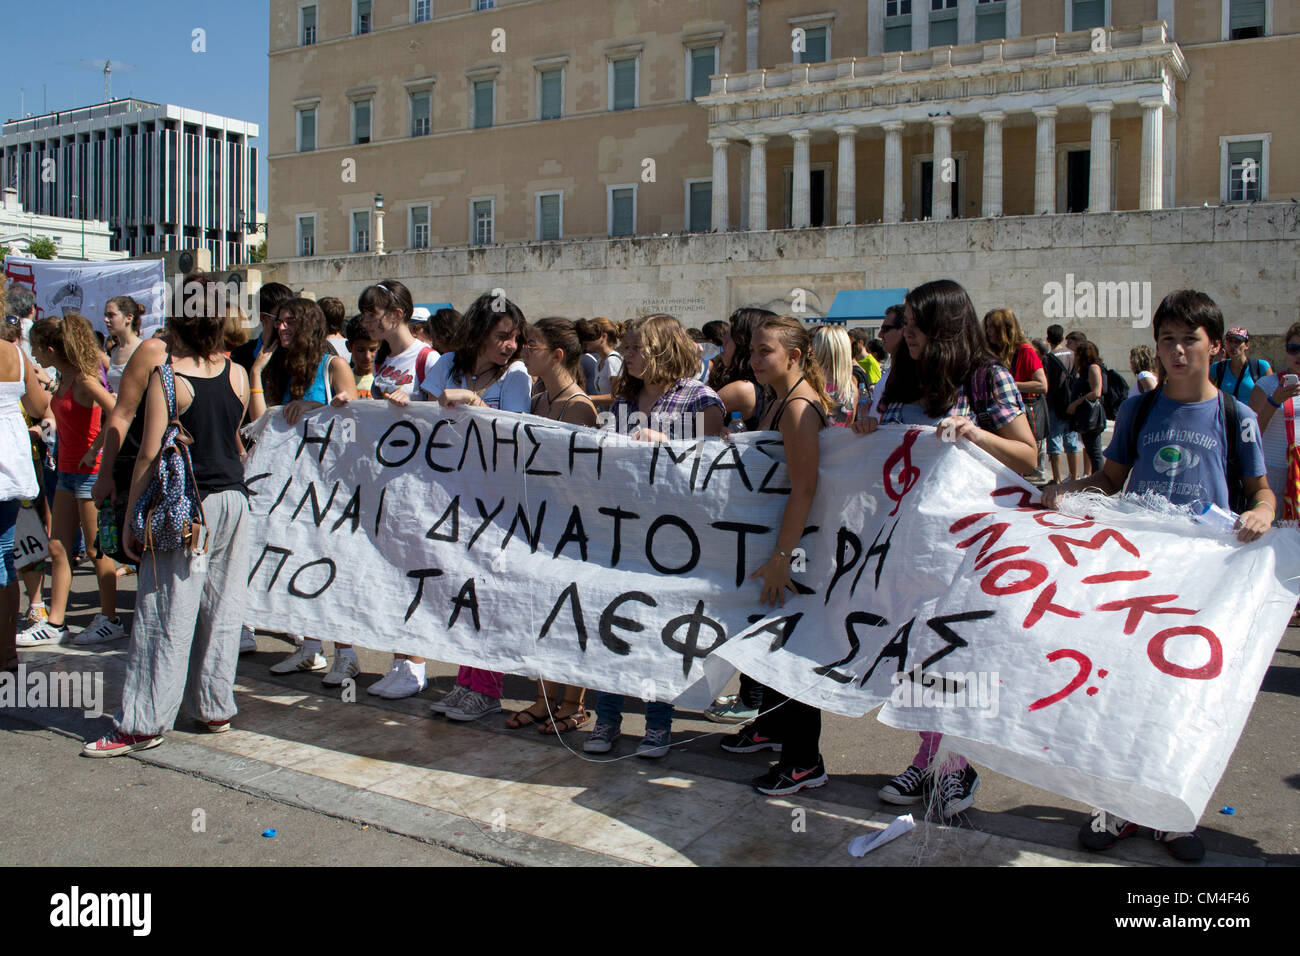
(552, 399)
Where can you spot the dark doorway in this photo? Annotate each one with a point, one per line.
(927, 190)
(1078, 170)
(817, 197)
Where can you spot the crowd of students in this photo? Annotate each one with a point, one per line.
(935, 363)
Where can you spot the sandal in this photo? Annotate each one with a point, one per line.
(567, 723)
(522, 718)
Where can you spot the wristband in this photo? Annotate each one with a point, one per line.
(1273, 403)
(1265, 504)
(255, 391)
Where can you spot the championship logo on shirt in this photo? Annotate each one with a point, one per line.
(1174, 460)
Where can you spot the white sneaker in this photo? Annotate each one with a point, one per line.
(300, 660)
(383, 682)
(408, 681)
(247, 641)
(101, 630)
(40, 635)
(344, 666)
(472, 706)
(452, 699)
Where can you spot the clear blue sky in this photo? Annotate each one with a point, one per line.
(49, 45)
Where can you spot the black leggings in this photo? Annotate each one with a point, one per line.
(796, 725)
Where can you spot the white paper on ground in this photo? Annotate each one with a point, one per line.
(862, 845)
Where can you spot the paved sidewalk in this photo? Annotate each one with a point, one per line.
(517, 797)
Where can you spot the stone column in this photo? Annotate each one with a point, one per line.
(378, 246)
(751, 33)
(893, 207)
(992, 200)
(758, 182)
(1152, 174)
(965, 21)
(1171, 159)
(846, 180)
(875, 27)
(1045, 161)
(1099, 157)
(941, 189)
(800, 207)
(720, 199)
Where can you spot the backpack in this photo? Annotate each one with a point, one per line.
(421, 363)
(1058, 384)
(169, 515)
(1114, 390)
(1232, 427)
(1220, 370)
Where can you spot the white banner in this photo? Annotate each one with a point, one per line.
(64, 285)
(1094, 658)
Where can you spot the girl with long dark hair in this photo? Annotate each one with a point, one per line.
(944, 375)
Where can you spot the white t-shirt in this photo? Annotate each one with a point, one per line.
(340, 345)
(510, 393)
(1273, 440)
(878, 394)
(1067, 358)
(399, 372)
(1134, 390)
(609, 370)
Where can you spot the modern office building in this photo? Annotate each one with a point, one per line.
(530, 120)
(163, 177)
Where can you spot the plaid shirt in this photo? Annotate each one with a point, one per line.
(999, 407)
(678, 406)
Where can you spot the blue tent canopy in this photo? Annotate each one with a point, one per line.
(433, 307)
(863, 303)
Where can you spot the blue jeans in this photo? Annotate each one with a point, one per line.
(609, 710)
(8, 520)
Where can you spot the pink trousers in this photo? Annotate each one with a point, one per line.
(480, 681)
(929, 747)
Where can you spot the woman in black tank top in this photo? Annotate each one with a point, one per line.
(189, 602)
(781, 356)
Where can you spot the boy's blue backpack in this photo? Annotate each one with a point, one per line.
(169, 515)
(1238, 501)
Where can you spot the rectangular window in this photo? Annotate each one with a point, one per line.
(306, 235)
(361, 121)
(1245, 170)
(419, 227)
(307, 130)
(943, 22)
(423, 11)
(308, 17)
(622, 75)
(485, 4)
(1088, 14)
(552, 95)
(548, 215)
(421, 112)
(699, 206)
(815, 47)
(484, 96)
(990, 20)
(622, 211)
(704, 63)
(898, 26)
(363, 21)
(481, 222)
(1246, 19)
(361, 231)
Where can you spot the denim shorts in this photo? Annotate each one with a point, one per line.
(1058, 431)
(79, 485)
(8, 520)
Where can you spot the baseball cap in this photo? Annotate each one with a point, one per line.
(1237, 332)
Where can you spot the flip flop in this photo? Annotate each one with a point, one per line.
(523, 718)
(567, 723)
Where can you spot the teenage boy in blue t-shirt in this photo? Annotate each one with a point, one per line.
(1181, 453)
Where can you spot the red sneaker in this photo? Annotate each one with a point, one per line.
(118, 743)
(217, 726)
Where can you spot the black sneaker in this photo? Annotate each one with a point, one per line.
(783, 778)
(957, 791)
(1104, 830)
(1186, 847)
(905, 789)
(749, 741)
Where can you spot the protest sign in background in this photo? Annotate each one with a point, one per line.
(1093, 658)
(66, 285)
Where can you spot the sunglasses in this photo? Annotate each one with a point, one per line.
(1293, 348)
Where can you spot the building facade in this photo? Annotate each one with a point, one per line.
(164, 177)
(89, 240)
(441, 124)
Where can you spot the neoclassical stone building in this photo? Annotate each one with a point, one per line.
(425, 124)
